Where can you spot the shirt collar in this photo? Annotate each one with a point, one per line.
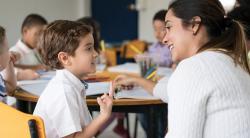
(23, 46)
(72, 79)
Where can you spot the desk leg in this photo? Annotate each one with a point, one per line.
(151, 127)
(22, 106)
(25, 106)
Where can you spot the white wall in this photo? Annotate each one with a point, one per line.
(150, 7)
(12, 12)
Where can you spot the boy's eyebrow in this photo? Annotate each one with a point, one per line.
(89, 43)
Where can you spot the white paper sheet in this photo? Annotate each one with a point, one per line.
(97, 88)
(125, 68)
(134, 68)
(36, 87)
(136, 93)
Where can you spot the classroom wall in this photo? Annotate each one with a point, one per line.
(12, 12)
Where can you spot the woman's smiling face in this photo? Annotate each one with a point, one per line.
(178, 38)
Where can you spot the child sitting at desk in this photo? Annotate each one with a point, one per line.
(26, 46)
(69, 47)
(8, 80)
(158, 49)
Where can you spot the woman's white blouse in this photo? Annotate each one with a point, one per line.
(208, 96)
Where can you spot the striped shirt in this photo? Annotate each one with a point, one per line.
(3, 93)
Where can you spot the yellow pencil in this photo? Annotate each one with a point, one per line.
(102, 43)
(136, 50)
(151, 75)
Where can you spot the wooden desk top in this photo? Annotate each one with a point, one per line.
(25, 96)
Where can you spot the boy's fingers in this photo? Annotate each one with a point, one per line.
(103, 96)
(99, 101)
(111, 89)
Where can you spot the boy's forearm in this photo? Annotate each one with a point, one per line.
(10, 78)
(91, 130)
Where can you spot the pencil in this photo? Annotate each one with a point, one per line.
(151, 75)
(102, 43)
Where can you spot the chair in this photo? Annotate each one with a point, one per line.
(15, 124)
(111, 57)
(128, 52)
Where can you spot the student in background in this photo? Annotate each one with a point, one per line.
(69, 47)
(242, 14)
(119, 128)
(159, 49)
(7, 76)
(211, 81)
(26, 46)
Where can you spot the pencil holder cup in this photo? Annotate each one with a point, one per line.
(147, 65)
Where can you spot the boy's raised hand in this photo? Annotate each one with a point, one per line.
(105, 102)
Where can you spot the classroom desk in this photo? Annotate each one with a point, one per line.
(119, 105)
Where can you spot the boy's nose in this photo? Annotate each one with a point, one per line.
(95, 53)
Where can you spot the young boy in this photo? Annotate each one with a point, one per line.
(26, 46)
(7, 76)
(159, 48)
(69, 47)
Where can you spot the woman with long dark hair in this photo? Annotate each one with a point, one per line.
(208, 93)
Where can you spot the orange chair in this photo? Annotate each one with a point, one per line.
(111, 57)
(15, 124)
(132, 48)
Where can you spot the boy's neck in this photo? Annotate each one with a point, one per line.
(26, 44)
(80, 77)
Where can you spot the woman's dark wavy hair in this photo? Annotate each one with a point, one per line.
(225, 35)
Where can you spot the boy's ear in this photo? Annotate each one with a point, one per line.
(64, 58)
(196, 24)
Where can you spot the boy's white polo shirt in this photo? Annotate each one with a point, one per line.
(28, 56)
(62, 105)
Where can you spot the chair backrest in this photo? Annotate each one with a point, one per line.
(128, 52)
(15, 124)
(111, 57)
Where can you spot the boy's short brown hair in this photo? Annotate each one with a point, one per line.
(2, 37)
(61, 36)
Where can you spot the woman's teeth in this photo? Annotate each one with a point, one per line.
(171, 47)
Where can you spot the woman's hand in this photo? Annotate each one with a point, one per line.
(125, 82)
